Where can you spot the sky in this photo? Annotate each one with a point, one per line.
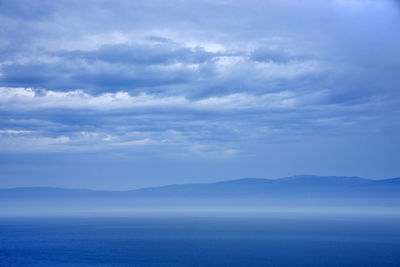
(128, 94)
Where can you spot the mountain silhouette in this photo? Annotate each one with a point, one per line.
(296, 192)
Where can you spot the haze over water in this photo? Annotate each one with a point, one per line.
(295, 221)
(201, 240)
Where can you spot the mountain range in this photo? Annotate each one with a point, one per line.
(250, 194)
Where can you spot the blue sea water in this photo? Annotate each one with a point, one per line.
(201, 240)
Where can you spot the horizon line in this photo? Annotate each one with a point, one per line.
(181, 184)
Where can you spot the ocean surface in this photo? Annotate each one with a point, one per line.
(201, 240)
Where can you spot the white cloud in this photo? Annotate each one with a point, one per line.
(14, 132)
(28, 99)
(140, 142)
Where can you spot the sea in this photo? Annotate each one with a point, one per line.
(181, 239)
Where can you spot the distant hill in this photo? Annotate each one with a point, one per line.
(297, 192)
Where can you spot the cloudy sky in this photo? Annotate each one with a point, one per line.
(127, 94)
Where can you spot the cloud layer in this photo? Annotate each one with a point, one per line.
(210, 79)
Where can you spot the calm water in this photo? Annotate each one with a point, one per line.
(274, 240)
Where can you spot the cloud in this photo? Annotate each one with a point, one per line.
(54, 121)
(162, 66)
(190, 77)
(14, 132)
(164, 53)
(28, 99)
(270, 55)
